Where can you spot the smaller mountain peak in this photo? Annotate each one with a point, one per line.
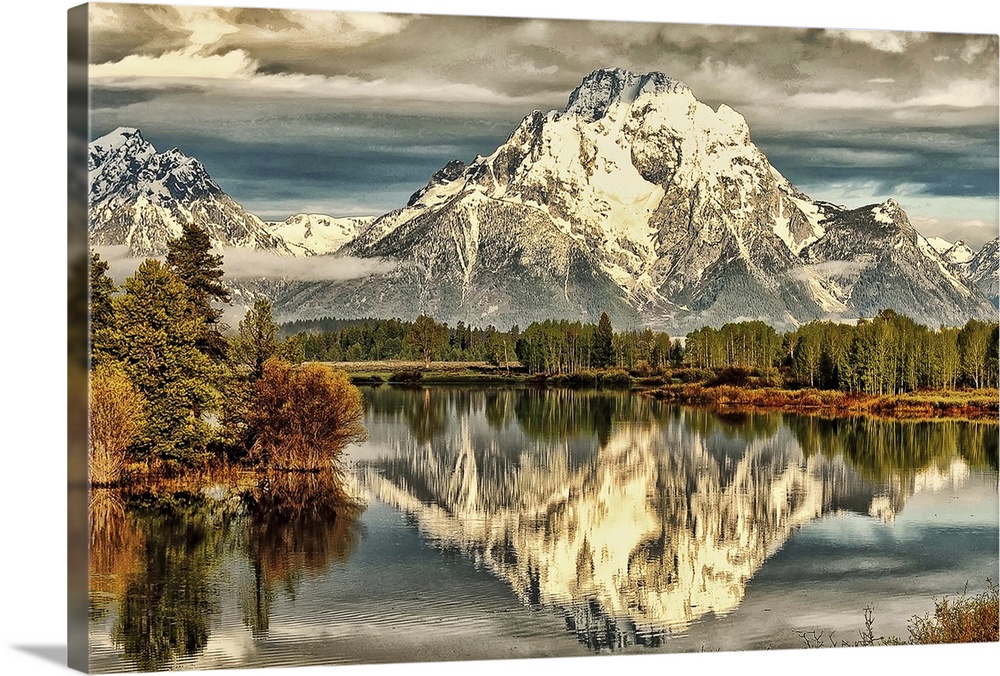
(118, 137)
(606, 86)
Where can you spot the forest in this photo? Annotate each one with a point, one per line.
(887, 354)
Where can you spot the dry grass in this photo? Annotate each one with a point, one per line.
(965, 404)
(965, 620)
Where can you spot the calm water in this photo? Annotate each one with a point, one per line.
(478, 523)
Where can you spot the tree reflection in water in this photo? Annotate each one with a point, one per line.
(296, 524)
(165, 609)
(115, 549)
(160, 556)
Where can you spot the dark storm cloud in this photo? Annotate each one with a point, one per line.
(958, 162)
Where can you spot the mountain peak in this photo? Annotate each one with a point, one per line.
(606, 86)
(118, 138)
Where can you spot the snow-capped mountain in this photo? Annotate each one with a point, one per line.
(640, 200)
(317, 234)
(983, 271)
(141, 198)
(636, 199)
(957, 253)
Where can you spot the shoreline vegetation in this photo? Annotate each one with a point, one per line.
(964, 619)
(175, 395)
(713, 392)
(173, 390)
(886, 366)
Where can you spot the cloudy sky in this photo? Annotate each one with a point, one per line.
(349, 113)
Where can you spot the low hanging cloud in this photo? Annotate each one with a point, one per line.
(250, 264)
(242, 264)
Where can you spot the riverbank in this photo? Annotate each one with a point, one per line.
(961, 404)
(981, 404)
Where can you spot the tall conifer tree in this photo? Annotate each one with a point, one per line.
(191, 259)
(603, 342)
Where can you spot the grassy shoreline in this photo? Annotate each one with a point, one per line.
(982, 404)
(926, 404)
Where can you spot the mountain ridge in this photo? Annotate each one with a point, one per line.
(635, 198)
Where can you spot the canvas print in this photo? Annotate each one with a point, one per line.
(426, 337)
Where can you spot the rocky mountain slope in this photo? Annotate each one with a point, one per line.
(636, 199)
(641, 200)
(317, 234)
(983, 271)
(140, 197)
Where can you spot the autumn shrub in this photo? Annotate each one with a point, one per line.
(614, 378)
(964, 620)
(303, 417)
(117, 416)
(731, 375)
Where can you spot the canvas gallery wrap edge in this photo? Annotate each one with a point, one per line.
(411, 337)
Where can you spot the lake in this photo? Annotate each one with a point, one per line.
(497, 523)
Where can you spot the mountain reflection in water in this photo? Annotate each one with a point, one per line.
(497, 519)
(634, 518)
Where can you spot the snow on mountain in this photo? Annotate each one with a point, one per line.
(141, 198)
(636, 199)
(317, 234)
(983, 271)
(958, 253)
(640, 200)
(873, 258)
(940, 244)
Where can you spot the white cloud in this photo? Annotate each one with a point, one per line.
(187, 64)
(240, 264)
(961, 93)
(883, 41)
(250, 264)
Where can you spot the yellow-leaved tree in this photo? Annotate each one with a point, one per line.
(117, 416)
(303, 417)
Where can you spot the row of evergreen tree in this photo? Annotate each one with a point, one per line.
(552, 346)
(889, 353)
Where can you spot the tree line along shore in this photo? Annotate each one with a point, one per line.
(888, 365)
(171, 388)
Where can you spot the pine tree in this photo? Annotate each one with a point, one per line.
(156, 338)
(190, 258)
(256, 340)
(102, 289)
(603, 342)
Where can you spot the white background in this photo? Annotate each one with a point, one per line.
(32, 352)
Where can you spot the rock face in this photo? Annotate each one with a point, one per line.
(642, 201)
(141, 198)
(983, 271)
(635, 199)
